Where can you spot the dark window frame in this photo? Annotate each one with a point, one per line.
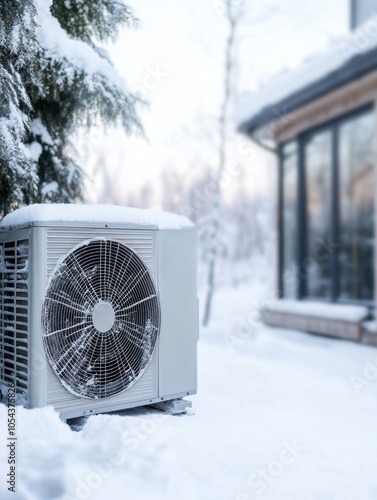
(301, 139)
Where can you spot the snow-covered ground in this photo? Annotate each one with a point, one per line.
(278, 415)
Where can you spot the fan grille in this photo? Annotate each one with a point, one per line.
(100, 319)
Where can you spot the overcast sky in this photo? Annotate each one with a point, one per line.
(175, 59)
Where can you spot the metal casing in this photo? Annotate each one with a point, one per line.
(170, 256)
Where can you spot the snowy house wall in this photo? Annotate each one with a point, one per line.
(322, 119)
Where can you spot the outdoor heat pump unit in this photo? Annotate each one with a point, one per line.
(98, 308)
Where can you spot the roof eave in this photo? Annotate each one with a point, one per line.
(355, 68)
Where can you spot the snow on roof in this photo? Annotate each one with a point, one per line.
(358, 42)
(108, 214)
(341, 312)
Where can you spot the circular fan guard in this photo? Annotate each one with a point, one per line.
(100, 319)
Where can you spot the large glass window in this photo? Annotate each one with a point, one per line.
(356, 196)
(318, 161)
(327, 195)
(289, 216)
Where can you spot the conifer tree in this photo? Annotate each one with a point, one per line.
(55, 77)
(18, 47)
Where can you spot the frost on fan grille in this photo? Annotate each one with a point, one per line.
(92, 361)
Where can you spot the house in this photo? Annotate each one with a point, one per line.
(322, 120)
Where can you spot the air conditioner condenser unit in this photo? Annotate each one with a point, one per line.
(98, 307)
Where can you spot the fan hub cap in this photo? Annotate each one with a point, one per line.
(103, 316)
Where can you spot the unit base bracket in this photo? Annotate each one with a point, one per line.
(173, 406)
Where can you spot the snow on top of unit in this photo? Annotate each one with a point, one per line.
(59, 45)
(340, 312)
(111, 214)
(317, 67)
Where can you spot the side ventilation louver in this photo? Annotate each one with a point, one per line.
(14, 303)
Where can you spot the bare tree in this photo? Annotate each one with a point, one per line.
(232, 12)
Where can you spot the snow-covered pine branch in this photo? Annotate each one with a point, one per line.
(75, 85)
(54, 72)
